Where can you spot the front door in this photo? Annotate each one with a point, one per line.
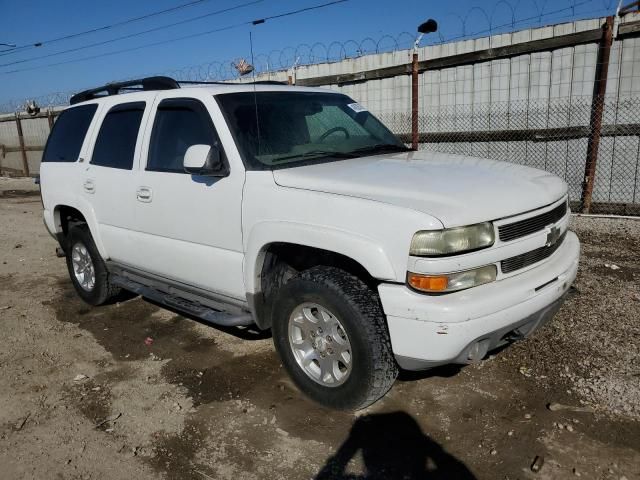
(189, 226)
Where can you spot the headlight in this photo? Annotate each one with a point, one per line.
(435, 243)
(452, 282)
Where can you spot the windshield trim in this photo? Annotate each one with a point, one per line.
(316, 160)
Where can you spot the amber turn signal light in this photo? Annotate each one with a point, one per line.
(452, 282)
(428, 283)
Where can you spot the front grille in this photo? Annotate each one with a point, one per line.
(531, 225)
(534, 256)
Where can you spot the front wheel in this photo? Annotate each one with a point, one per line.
(330, 332)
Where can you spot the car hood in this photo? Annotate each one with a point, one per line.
(455, 189)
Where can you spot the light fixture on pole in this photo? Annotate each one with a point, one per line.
(429, 26)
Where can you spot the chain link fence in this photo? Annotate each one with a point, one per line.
(551, 135)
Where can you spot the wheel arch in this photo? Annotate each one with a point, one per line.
(66, 215)
(364, 251)
(276, 251)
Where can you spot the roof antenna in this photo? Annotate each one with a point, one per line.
(255, 94)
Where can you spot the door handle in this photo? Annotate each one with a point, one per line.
(89, 186)
(143, 194)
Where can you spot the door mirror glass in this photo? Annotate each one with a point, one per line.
(204, 160)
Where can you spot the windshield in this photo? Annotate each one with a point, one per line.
(296, 128)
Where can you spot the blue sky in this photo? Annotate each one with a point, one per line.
(26, 22)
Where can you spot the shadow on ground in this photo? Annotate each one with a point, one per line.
(392, 446)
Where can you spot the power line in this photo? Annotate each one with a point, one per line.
(104, 27)
(125, 50)
(295, 12)
(175, 39)
(131, 35)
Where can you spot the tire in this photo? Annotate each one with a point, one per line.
(327, 292)
(100, 290)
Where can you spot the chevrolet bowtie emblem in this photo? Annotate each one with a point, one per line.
(553, 236)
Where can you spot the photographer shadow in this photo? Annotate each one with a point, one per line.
(392, 446)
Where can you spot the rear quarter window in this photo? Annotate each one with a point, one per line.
(67, 136)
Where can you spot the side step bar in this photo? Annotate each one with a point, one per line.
(204, 308)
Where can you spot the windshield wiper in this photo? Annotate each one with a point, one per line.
(317, 153)
(381, 147)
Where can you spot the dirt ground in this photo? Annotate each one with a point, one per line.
(132, 390)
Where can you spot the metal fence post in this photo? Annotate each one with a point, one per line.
(414, 101)
(23, 150)
(50, 118)
(597, 109)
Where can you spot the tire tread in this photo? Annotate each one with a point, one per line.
(364, 300)
(104, 289)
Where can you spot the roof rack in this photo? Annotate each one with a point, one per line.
(151, 83)
(148, 83)
(257, 82)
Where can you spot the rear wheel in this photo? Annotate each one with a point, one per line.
(330, 332)
(87, 270)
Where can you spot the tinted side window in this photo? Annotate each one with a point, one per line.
(116, 140)
(179, 124)
(68, 133)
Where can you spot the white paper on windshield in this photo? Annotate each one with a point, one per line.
(356, 107)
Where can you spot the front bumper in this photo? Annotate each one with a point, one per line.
(461, 327)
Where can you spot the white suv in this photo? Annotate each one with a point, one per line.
(295, 209)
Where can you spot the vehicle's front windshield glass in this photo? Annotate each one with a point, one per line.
(280, 129)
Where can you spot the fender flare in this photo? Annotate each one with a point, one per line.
(85, 208)
(363, 250)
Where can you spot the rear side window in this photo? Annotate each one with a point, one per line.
(116, 142)
(68, 133)
(179, 124)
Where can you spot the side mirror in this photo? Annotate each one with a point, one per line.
(204, 160)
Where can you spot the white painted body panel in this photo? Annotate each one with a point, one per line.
(113, 194)
(374, 234)
(455, 189)
(61, 184)
(190, 228)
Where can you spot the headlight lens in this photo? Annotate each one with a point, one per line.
(434, 243)
(452, 282)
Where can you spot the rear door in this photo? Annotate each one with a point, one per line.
(108, 181)
(189, 226)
